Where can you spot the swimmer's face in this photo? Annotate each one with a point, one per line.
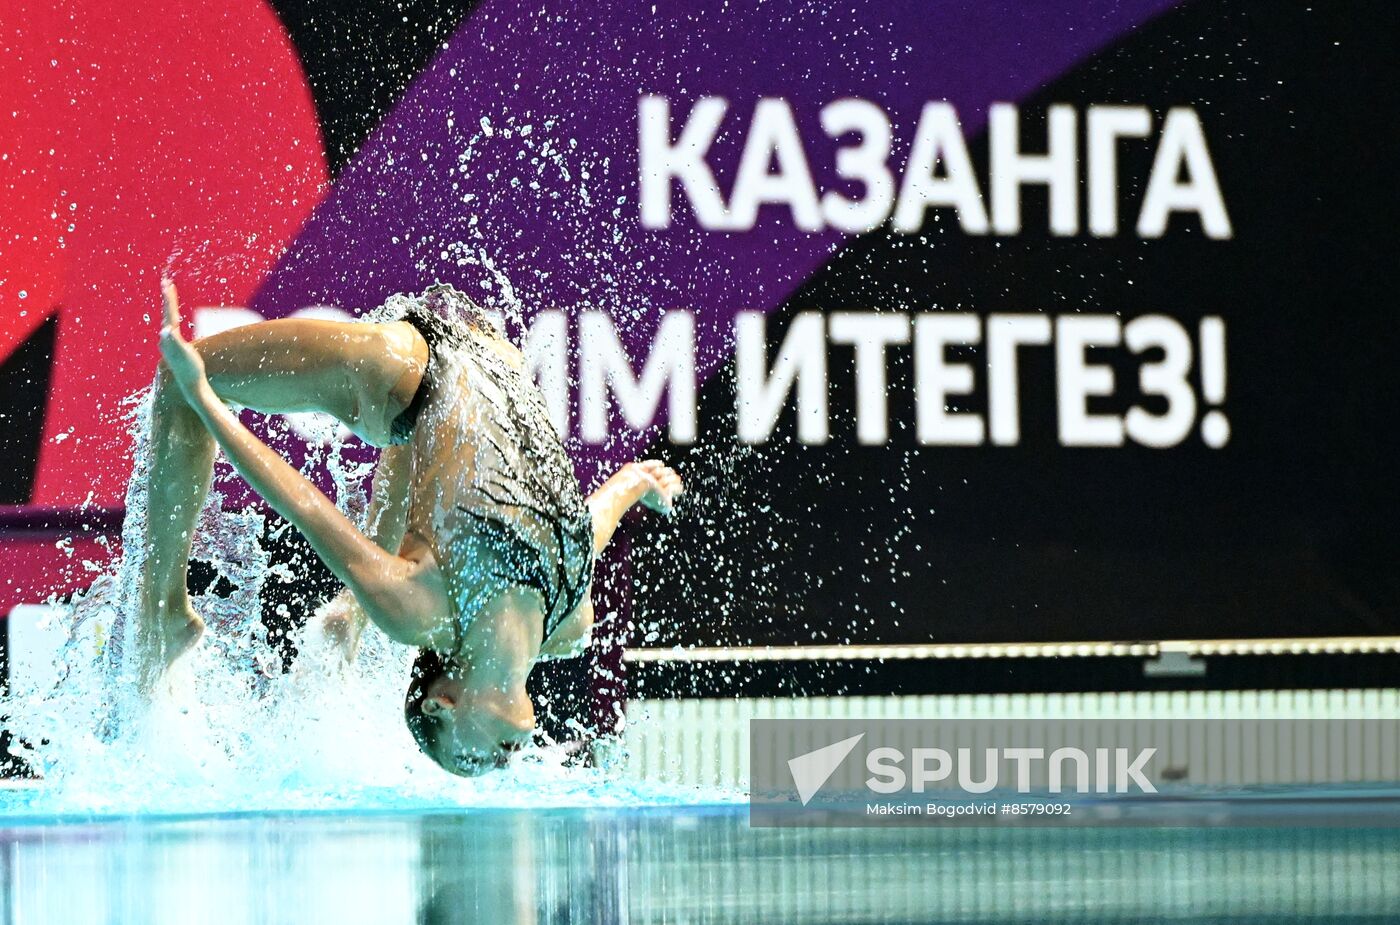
(466, 732)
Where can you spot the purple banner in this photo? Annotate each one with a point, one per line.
(510, 168)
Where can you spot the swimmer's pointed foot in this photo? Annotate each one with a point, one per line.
(163, 638)
(160, 640)
(135, 686)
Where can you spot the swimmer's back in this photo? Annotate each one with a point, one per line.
(493, 490)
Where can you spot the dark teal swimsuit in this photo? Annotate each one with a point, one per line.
(532, 526)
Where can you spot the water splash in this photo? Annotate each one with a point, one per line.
(229, 730)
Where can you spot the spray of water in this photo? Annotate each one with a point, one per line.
(230, 729)
(233, 730)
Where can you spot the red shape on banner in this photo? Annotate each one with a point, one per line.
(135, 138)
(139, 136)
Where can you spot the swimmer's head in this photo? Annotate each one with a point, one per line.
(465, 729)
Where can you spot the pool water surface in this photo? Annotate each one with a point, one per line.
(691, 864)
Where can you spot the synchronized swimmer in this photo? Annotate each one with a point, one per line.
(480, 544)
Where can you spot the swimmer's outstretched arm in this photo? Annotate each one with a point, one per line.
(405, 599)
(651, 483)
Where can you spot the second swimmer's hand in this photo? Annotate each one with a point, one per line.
(185, 363)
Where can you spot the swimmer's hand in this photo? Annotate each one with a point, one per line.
(661, 485)
(652, 484)
(185, 363)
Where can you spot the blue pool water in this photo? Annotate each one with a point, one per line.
(676, 864)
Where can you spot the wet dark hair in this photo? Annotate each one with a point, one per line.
(427, 668)
(450, 304)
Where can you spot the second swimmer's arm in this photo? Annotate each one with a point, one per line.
(342, 618)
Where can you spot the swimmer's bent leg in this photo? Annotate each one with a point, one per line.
(362, 374)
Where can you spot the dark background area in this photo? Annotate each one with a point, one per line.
(1287, 531)
(360, 56)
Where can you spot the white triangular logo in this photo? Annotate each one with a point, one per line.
(812, 770)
